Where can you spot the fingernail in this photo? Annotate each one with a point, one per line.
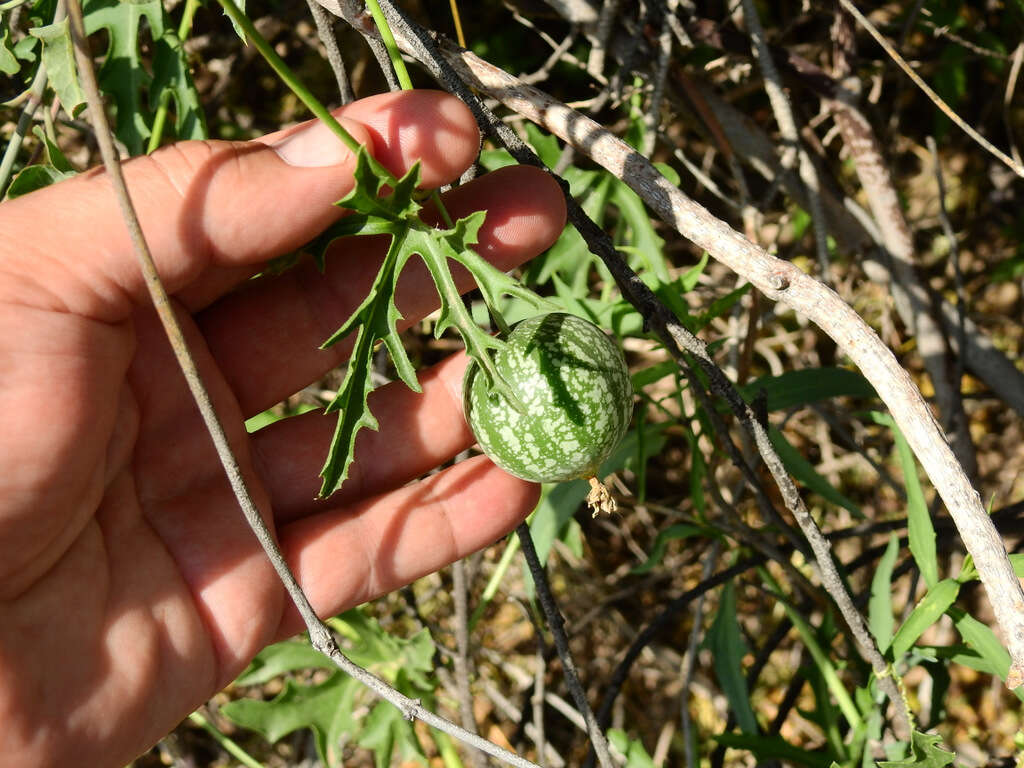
(312, 146)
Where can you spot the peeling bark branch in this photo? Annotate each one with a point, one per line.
(911, 296)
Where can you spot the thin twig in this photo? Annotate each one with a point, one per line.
(462, 682)
(1011, 86)
(793, 149)
(325, 30)
(652, 117)
(1014, 165)
(320, 636)
(557, 626)
(958, 275)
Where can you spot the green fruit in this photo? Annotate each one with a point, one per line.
(575, 394)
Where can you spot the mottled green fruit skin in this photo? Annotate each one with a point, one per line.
(576, 393)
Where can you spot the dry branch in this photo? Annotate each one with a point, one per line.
(908, 290)
(854, 230)
(781, 281)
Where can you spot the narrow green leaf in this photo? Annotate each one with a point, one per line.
(984, 641)
(689, 279)
(930, 608)
(773, 748)
(653, 373)
(880, 615)
(353, 414)
(805, 472)
(726, 644)
(672, 533)
(810, 385)
(643, 239)
(920, 530)
(821, 659)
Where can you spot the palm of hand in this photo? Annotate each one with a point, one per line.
(132, 588)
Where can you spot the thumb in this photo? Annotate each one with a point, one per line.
(210, 206)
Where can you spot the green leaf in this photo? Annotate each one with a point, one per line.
(35, 177)
(57, 168)
(281, 658)
(130, 26)
(544, 144)
(672, 533)
(8, 61)
(240, 4)
(802, 387)
(385, 731)
(726, 644)
(332, 708)
(880, 616)
(689, 279)
(325, 708)
(920, 530)
(375, 318)
(925, 753)
(772, 748)
(59, 58)
(931, 607)
(172, 80)
(653, 373)
(820, 657)
(984, 641)
(805, 472)
(642, 238)
(54, 156)
(633, 749)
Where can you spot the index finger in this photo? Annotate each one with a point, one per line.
(206, 207)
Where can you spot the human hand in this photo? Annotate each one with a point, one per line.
(131, 588)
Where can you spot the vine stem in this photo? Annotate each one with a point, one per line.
(320, 636)
(288, 77)
(389, 43)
